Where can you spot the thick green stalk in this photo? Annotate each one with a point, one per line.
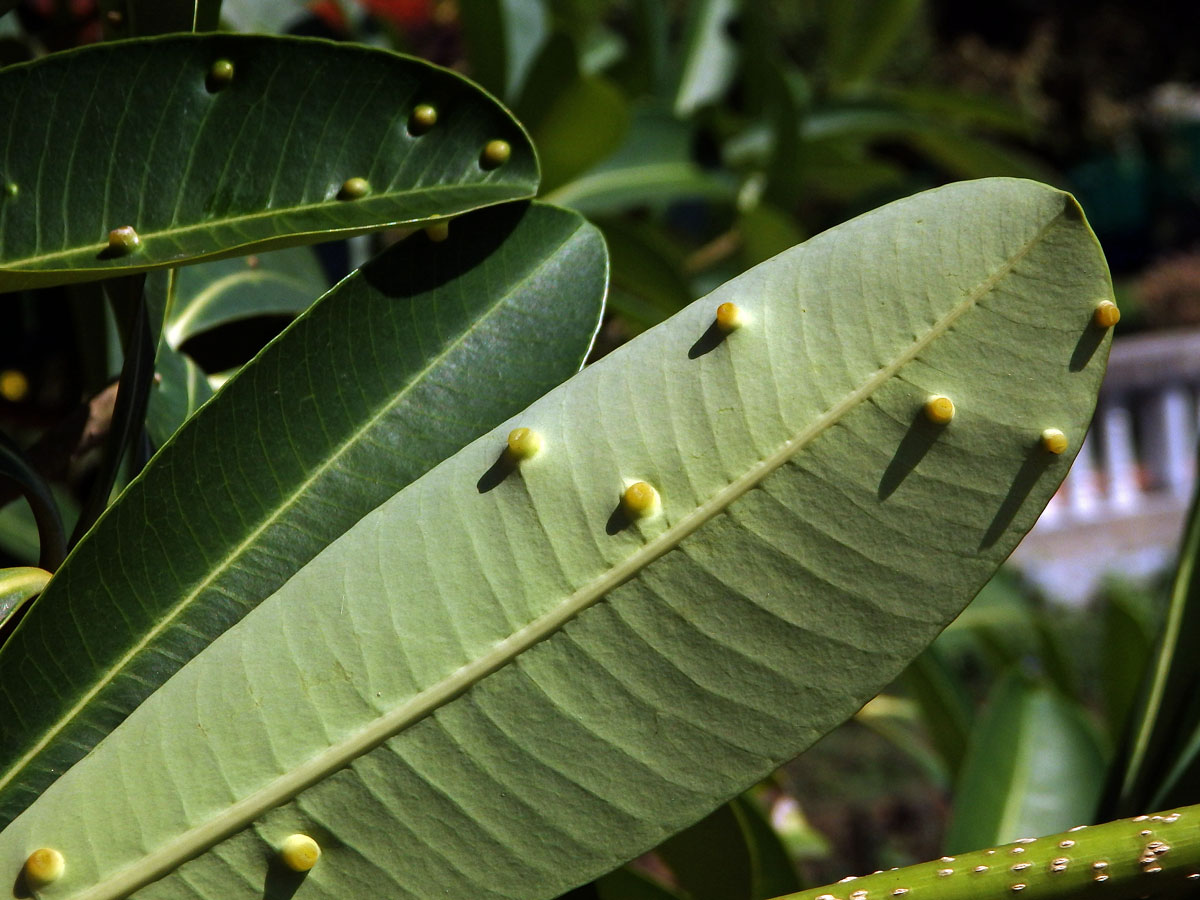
(1147, 856)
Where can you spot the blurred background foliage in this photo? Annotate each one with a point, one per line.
(704, 137)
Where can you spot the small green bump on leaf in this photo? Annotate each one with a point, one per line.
(354, 189)
(299, 852)
(11, 189)
(123, 240)
(640, 501)
(495, 154)
(422, 119)
(220, 75)
(44, 866)
(438, 231)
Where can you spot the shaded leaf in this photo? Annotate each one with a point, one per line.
(503, 39)
(712, 859)
(653, 167)
(394, 369)
(708, 55)
(498, 687)
(200, 171)
(1161, 755)
(285, 282)
(944, 706)
(1033, 767)
(180, 388)
(861, 36)
(575, 120)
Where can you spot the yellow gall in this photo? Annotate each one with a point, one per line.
(123, 240)
(14, 386)
(220, 74)
(438, 231)
(1054, 441)
(354, 189)
(730, 317)
(1106, 314)
(422, 119)
(495, 153)
(44, 866)
(524, 443)
(939, 410)
(640, 501)
(299, 852)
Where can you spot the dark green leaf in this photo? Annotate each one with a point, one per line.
(180, 388)
(202, 170)
(774, 871)
(416, 353)
(944, 706)
(576, 120)
(1128, 642)
(625, 884)
(503, 39)
(1161, 758)
(653, 167)
(862, 34)
(711, 860)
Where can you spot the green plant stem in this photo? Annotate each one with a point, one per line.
(129, 413)
(1146, 856)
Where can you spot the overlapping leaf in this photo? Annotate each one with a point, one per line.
(397, 367)
(142, 134)
(499, 687)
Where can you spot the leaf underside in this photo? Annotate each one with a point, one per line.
(502, 690)
(396, 368)
(136, 133)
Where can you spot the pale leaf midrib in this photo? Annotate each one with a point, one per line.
(37, 263)
(284, 506)
(196, 840)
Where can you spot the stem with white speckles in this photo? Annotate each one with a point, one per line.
(1147, 856)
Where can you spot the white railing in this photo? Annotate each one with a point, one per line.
(1122, 507)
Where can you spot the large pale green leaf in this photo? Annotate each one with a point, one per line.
(402, 363)
(138, 133)
(499, 687)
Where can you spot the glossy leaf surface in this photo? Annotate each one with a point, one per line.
(202, 168)
(402, 363)
(499, 686)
